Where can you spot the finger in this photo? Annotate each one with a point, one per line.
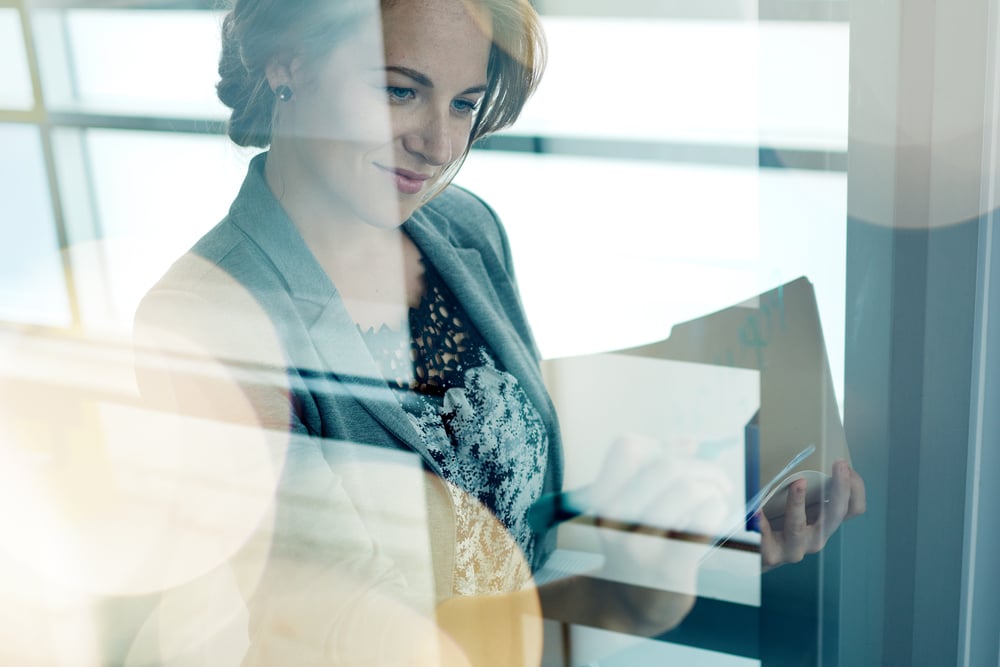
(628, 497)
(626, 455)
(685, 445)
(795, 534)
(686, 507)
(711, 472)
(708, 518)
(771, 546)
(813, 513)
(647, 485)
(656, 514)
(625, 502)
(858, 502)
(833, 512)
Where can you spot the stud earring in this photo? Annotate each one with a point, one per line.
(284, 93)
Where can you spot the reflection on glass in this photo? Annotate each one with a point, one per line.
(170, 68)
(147, 216)
(324, 439)
(32, 283)
(16, 92)
(656, 244)
(700, 82)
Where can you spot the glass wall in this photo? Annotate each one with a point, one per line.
(681, 163)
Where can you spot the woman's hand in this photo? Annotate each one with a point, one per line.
(647, 491)
(802, 534)
(657, 487)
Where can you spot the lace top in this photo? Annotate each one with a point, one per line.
(479, 426)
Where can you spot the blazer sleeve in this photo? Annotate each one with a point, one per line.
(320, 590)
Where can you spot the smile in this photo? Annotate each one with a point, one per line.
(407, 182)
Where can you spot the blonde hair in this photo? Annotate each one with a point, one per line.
(515, 67)
(257, 32)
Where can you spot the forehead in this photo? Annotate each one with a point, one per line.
(429, 32)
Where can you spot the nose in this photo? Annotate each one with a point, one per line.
(430, 139)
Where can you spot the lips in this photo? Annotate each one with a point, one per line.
(407, 182)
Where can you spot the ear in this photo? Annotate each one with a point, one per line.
(278, 74)
(284, 71)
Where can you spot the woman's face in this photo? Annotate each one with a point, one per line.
(367, 138)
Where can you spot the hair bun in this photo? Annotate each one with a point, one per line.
(243, 89)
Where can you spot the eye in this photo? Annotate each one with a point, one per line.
(464, 107)
(399, 94)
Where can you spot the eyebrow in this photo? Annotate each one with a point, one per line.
(425, 81)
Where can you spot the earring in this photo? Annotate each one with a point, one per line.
(284, 93)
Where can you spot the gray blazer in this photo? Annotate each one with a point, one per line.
(255, 260)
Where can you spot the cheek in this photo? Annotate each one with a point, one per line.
(460, 139)
(354, 116)
(371, 128)
(459, 128)
(402, 121)
(365, 111)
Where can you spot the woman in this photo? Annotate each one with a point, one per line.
(351, 297)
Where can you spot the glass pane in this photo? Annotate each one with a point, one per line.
(803, 84)
(157, 62)
(32, 284)
(713, 82)
(610, 253)
(646, 229)
(16, 91)
(143, 223)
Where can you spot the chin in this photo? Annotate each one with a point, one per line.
(383, 218)
(405, 211)
(387, 225)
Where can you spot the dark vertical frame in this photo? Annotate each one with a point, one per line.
(979, 626)
(919, 84)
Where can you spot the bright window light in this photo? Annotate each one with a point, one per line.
(717, 82)
(156, 194)
(32, 282)
(16, 91)
(612, 253)
(157, 62)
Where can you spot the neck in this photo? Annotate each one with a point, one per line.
(325, 221)
(376, 270)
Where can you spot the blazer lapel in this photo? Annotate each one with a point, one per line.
(334, 336)
(343, 351)
(479, 293)
(488, 298)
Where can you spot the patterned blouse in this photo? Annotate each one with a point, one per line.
(480, 427)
